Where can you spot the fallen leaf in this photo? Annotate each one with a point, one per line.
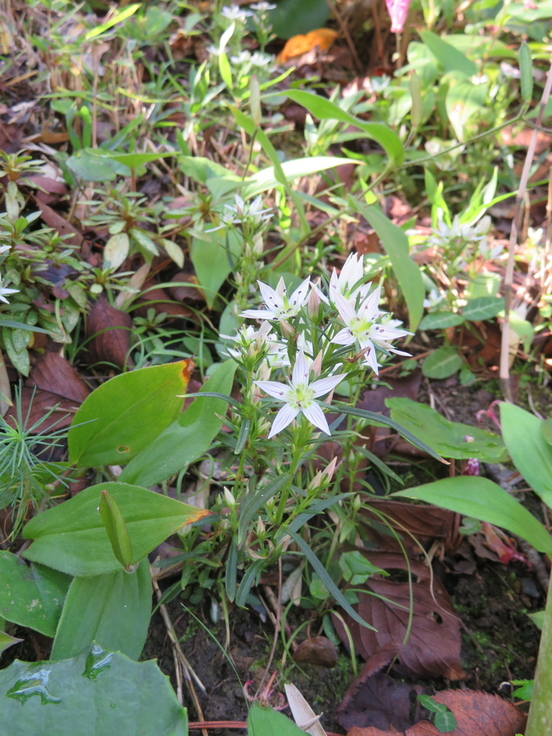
(35, 403)
(318, 650)
(182, 293)
(297, 45)
(109, 329)
(53, 373)
(303, 714)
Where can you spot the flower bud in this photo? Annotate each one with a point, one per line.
(229, 498)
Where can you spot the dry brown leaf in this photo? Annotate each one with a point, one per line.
(53, 373)
(370, 731)
(109, 329)
(297, 45)
(318, 650)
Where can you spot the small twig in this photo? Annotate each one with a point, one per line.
(346, 35)
(516, 225)
(180, 658)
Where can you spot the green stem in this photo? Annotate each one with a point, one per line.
(540, 713)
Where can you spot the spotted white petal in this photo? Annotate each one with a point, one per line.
(315, 415)
(297, 299)
(274, 388)
(257, 314)
(271, 298)
(344, 337)
(283, 418)
(325, 385)
(300, 370)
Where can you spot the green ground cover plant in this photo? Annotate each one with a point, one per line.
(186, 253)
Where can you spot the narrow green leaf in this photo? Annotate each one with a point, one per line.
(395, 244)
(450, 58)
(116, 529)
(325, 577)
(230, 579)
(94, 694)
(482, 499)
(526, 70)
(254, 501)
(113, 610)
(225, 70)
(250, 579)
(71, 537)
(416, 94)
(530, 452)
(117, 17)
(214, 256)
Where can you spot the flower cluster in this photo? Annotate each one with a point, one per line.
(320, 334)
(4, 291)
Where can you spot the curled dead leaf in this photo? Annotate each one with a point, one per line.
(109, 329)
(318, 650)
(297, 45)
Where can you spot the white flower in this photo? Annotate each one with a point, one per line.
(261, 60)
(242, 211)
(4, 248)
(243, 58)
(262, 7)
(278, 304)
(434, 298)
(460, 231)
(251, 341)
(368, 327)
(6, 292)
(299, 396)
(233, 13)
(351, 273)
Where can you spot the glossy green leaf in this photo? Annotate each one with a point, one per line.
(446, 437)
(530, 452)
(441, 320)
(482, 499)
(186, 439)
(442, 363)
(324, 109)
(264, 721)
(116, 530)
(482, 308)
(125, 414)
(395, 244)
(95, 694)
(450, 58)
(71, 537)
(214, 257)
(113, 609)
(31, 595)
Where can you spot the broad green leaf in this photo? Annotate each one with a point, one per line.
(450, 58)
(442, 363)
(186, 439)
(19, 358)
(116, 250)
(31, 595)
(71, 537)
(449, 439)
(202, 169)
(463, 99)
(294, 169)
(125, 414)
(441, 320)
(482, 308)
(264, 721)
(530, 452)
(395, 244)
(214, 257)
(95, 694)
(537, 618)
(482, 499)
(325, 109)
(113, 609)
(293, 17)
(91, 166)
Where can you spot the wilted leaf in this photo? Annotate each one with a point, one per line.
(302, 712)
(53, 373)
(116, 250)
(297, 45)
(110, 329)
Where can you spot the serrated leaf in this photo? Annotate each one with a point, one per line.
(442, 363)
(94, 694)
(71, 537)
